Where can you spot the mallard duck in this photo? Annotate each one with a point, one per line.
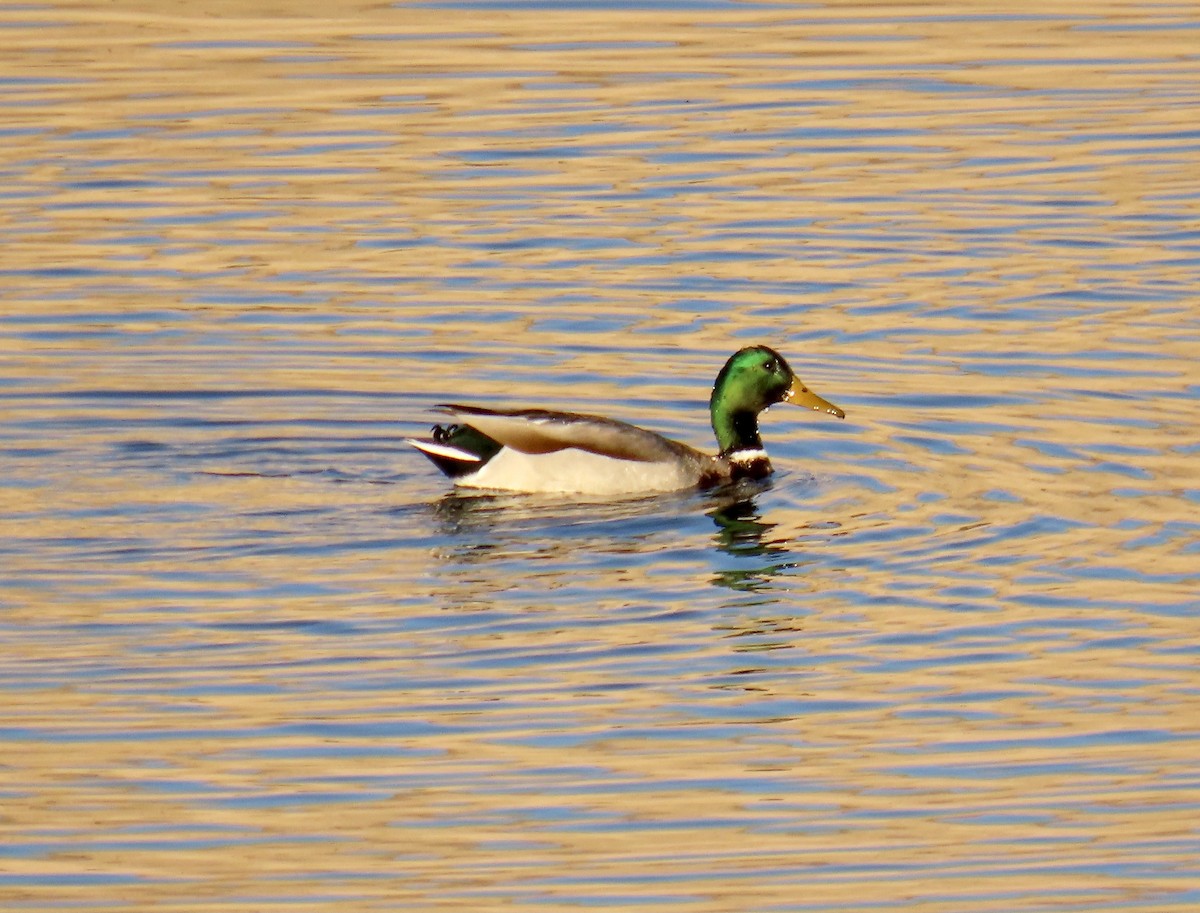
(533, 450)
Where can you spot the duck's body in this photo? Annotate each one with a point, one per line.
(544, 451)
(533, 450)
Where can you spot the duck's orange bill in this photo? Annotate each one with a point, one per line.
(800, 395)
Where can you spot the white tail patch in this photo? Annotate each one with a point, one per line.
(443, 450)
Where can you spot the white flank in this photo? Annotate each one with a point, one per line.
(450, 453)
(574, 471)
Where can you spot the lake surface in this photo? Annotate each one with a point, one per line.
(256, 655)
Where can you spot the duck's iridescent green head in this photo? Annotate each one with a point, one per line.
(753, 379)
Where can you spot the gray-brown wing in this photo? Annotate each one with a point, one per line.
(542, 431)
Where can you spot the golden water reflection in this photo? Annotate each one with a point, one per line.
(255, 654)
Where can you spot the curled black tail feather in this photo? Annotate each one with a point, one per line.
(476, 448)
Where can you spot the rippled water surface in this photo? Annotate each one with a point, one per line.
(256, 655)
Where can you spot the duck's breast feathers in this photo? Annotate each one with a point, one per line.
(537, 431)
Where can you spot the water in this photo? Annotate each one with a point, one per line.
(258, 656)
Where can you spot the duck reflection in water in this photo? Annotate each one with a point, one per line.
(743, 534)
(482, 528)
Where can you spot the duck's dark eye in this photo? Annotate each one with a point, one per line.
(770, 365)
